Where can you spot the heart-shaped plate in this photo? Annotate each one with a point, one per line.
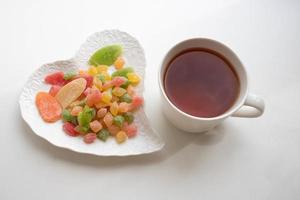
(146, 141)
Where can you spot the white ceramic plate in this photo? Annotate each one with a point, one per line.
(146, 141)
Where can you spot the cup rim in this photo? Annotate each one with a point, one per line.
(224, 115)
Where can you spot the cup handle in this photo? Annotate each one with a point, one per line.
(254, 106)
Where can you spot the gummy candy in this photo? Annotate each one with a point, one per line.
(118, 120)
(70, 92)
(95, 126)
(119, 63)
(49, 108)
(103, 134)
(118, 91)
(106, 55)
(121, 137)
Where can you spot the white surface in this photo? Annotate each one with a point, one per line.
(242, 159)
(146, 141)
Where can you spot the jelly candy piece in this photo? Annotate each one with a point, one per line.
(101, 105)
(119, 63)
(70, 92)
(133, 78)
(77, 103)
(101, 112)
(121, 137)
(93, 97)
(130, 90)
(102, 68)
(106, 97)
(106, 55)
(123, 107)
(68, 117)
(114, 98)
(136, 102)
(131, 130)
(56, 78)
(103, 134)
(118, 81)
(118, 120)
(70, 75)
(118, 91)
(49, 108)
(85, 117)
(76, 110)
(108, 119)
(82, 72)
(82, 130)
(122, 72)
(114, 107)
(128, 116)
(89, 79)
(89, 138)
(106, 75)
(92, 71)
(54, 90)
(96, 126)
(69, 128)
(126, 98)
(98, 83)
(87, 91)
(107, 85)
(101, 78)
(113, 129)
(126, 84)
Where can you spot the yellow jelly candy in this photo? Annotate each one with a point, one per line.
(133, 78)
(130, 90)
(121, 137)
(114, 107)
(119, 63)
(118, 91)
(107, 85)
(102, 68)
(82, 72)
(98, 83)
(70, 92)
(115, 98)
(101, 105)
(92, 71)
(106, 75)
(106, 97)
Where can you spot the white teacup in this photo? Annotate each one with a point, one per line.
(246, 105)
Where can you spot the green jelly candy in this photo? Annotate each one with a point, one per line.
(118, 120)
(125, 85)
(103, 134)
(106, 55)
(85, 117)
(128, 116)
(122, 72)
(126, 98)
(82, 103)
(69, 75)
(101, 77)
(82, 130)
(67, 117)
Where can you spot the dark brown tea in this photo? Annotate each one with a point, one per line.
(201, 82)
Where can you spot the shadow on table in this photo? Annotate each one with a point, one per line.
(175, 141)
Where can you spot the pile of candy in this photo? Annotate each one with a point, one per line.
(94, 103)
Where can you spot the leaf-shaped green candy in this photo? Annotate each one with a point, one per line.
(106, 55)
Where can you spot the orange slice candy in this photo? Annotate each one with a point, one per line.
(49, 108)
(70, 92)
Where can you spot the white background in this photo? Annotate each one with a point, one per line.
(241, 159)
